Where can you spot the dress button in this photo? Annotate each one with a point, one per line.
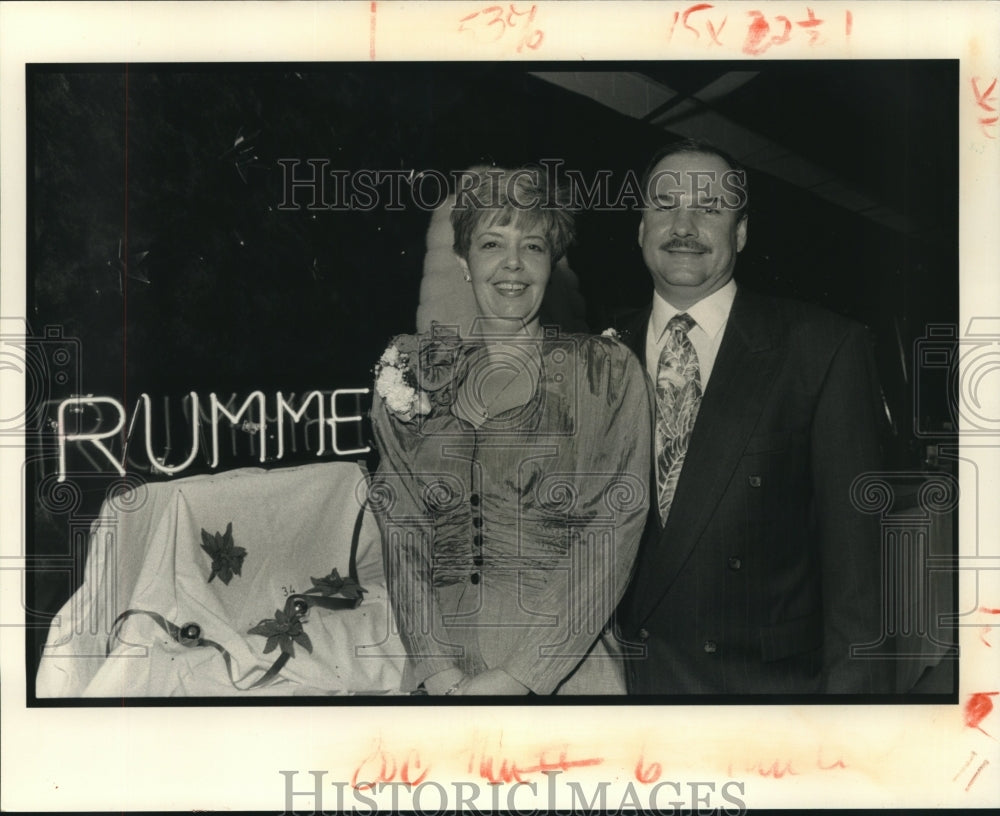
(735, 562)
(474, 577)
(477, 522)
(643, 634)
(477, 560)
(477, 540)
(474, 500)
(711, 647)
(755, 481)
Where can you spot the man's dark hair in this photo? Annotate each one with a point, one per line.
(699, 146)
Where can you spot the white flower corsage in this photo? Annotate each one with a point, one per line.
(613, 333)
(396, 383)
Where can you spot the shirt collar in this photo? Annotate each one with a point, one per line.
(710, 313)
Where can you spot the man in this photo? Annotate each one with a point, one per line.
(757, 574)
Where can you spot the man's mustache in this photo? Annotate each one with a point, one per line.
(688, 244)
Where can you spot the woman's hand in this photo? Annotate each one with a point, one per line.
(442, 681)
(493, 681)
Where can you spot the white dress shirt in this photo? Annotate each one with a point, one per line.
(710, 315)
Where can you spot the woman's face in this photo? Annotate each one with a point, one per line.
(510, 267)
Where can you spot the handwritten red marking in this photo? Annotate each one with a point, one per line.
(691, 10)
(961, 770)
(758, 30)
(505, 770)
(712, 32)
(647, 774)
(839, 763)
(811, 22)
(982, 99)
(381, 766)
(978, 708)
(757, 41)
(987, 124)
(774, 770)
(786, 34)
(534, 39)
(975, 776)
(371, 30)
(982, 636)
(848, 23)
(673, 24)
(501, 22)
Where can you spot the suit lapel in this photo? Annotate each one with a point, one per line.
(748, 359)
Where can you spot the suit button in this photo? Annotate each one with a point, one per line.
(643, 634)
(711, 647)
(474, 577)
(474, 500)
(755, 481)
(735, 562)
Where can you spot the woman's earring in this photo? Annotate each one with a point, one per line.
(468, 278)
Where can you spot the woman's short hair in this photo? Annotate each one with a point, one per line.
(524, 196)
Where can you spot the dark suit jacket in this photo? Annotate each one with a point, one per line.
(765, 573)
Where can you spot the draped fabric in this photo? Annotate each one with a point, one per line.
(509, 541)
(145, 553)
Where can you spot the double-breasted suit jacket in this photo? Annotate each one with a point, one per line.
(766, 573)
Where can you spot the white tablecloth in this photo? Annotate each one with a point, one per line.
(146, 554)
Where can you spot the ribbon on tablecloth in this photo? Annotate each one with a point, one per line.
(296, 606)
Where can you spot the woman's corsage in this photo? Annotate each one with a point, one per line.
(612, 333)
(396, 382)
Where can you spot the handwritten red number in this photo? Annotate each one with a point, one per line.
(978, 709)
(689, 12)
(647, 774)
(464, 20)
(812, 22)
(756, 34)
(501, 21)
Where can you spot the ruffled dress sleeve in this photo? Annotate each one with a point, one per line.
(611, 456)
(396, 499)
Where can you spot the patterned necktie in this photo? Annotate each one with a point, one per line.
(678, 395)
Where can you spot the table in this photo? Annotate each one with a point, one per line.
(146, 555)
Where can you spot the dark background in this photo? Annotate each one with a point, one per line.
(159, 258)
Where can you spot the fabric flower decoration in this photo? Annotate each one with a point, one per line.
(282, 631)
(334, 584)
(396, 383)
(613, 333)
(227, 558)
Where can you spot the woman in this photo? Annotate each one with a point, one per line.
(511, 492)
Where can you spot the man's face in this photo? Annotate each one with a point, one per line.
(690, 233)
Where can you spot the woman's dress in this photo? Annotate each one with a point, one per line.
(509, 539)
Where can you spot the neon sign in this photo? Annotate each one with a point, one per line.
(329, 423)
